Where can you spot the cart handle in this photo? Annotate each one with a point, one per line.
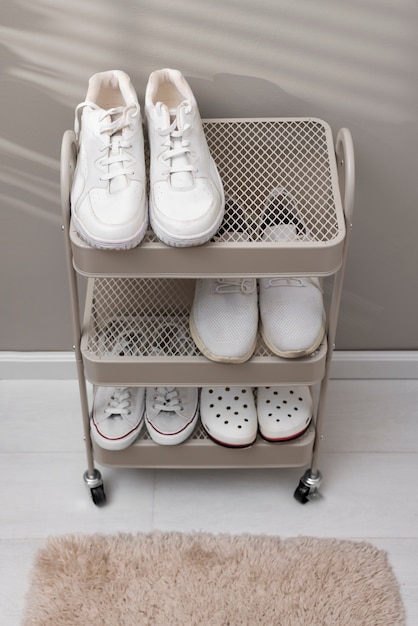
(68, 162)
(344, 151)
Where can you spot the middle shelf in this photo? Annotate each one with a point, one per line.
(136, 332)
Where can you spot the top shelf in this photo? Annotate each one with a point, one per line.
(254, 158)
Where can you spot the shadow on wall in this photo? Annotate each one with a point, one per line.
(358, 56)
(350, 63)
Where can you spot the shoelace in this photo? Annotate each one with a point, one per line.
(177, 144)
(167, 399)
(230, 285)
(290, 281)
(116, 157)
(119, 403)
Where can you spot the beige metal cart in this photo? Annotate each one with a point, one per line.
(147, 291)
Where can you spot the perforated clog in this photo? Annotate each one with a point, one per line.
(283, 412)
(228, 415)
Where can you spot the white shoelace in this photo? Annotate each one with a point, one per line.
(119, 403)
(177, 144)
(290, 281)
(231, 285)
(116, 157)
(167, 399)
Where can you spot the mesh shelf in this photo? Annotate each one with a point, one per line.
(261, 162)
(136, 331)
(256, 157)
(200, 452)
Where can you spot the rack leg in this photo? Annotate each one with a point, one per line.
(92, 476)
(344, 152)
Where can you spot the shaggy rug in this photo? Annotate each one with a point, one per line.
(170, 579)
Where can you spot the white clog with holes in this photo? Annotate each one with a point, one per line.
(228, 415)
(283, 412)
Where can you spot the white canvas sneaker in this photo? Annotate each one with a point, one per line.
(117, 416)
(108, 197)
(224, 318)
(186, 192)
(291, 308)
(171, 413)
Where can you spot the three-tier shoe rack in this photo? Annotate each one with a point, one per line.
(146, 293)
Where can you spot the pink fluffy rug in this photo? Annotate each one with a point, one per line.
(170, 579)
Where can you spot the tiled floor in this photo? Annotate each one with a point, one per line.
(369, 460)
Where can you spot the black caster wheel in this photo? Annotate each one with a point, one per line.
(94, 483)
(98, 495)
(308, 487)
(301, 493)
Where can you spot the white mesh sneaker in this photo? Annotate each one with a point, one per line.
(292, 317)
(171, 413)
(186, 192)
(224, 318)
(108, 197)
(117, 416)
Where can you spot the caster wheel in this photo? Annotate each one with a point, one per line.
(301, 493)
(94, 483)
(308, 487)
(98, 495)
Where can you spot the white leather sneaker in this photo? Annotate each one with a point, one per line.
(117, 416)
(186, 192)
(224, 318)
(171, 413)
(108, 197)
(292, 317)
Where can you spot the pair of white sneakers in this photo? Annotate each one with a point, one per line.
(109, 193)
(170, 415)
(225, 316)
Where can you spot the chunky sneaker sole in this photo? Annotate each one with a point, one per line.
(103, 244)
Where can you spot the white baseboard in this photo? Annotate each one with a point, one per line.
(350, 364)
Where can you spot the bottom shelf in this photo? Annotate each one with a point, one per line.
(201, 452)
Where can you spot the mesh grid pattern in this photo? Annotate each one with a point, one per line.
(199, 434)
(143, 317)
(254, 157)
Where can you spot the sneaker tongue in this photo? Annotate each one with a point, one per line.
(179, 179)
(120, 182)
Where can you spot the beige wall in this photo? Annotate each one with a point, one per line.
(351, 63)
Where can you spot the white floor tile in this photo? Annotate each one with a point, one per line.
(368, 459)
(45, 494)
